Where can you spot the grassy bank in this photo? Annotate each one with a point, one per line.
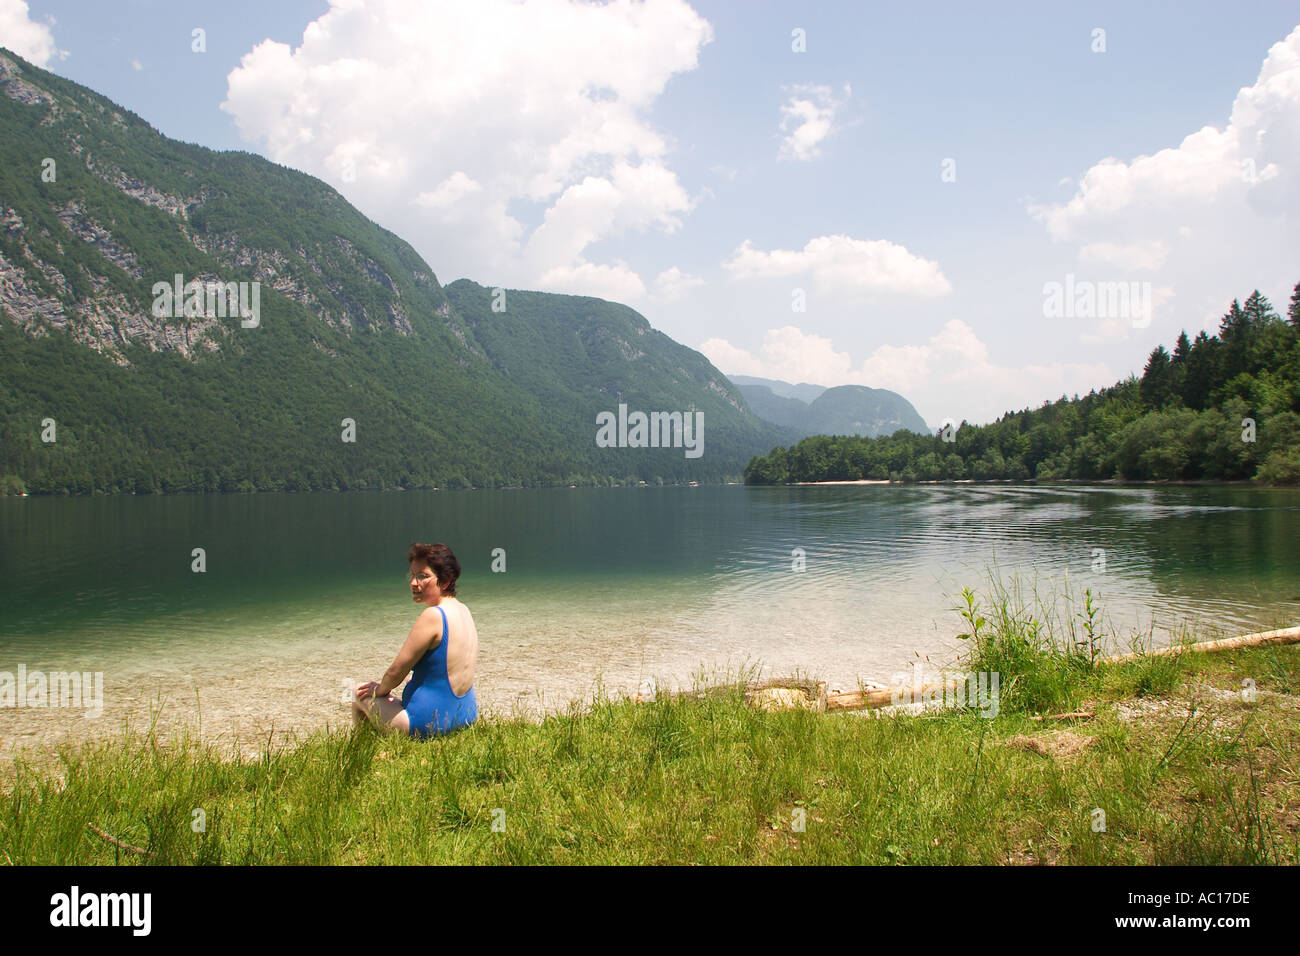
(1184, 769)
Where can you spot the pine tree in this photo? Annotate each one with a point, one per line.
(1155, 379)
(1293, 313)
(1183, 347)
(1232, 324)
(1258, 311)
(1178, 370)
(1200, 371)
(1234, 334)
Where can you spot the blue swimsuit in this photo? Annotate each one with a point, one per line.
(432, 707)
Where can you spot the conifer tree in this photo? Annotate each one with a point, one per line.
(1234, 335)
(1258, 311)
(1200, 371)
(1155, 378)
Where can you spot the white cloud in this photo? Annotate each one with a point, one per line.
(732, 360)
(950, 375)
(32, 41)
(631, 197)
(672, 284)
(788, 354)
(616, 282)
(1214, 216)
(1142, 256)
(451, 190)
(137, 65)
(807, 119)
(844, 263)
(502, 105)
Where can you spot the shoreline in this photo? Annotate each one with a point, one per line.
(1106, 482)
(713, 779)
(250, 733)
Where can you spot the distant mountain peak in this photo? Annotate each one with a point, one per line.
(839, 410)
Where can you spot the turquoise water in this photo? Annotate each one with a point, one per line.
(304, 593)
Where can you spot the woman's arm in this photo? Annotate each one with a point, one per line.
(426, 632)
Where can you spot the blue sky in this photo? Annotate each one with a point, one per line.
(683, 158)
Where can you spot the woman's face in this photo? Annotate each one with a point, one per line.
(424, 583)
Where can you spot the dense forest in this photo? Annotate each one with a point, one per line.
(1221, 407)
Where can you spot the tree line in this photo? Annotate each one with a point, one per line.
(1219, 407)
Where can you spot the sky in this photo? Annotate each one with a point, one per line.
(979, 206)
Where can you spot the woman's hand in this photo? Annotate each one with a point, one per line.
(369, 689)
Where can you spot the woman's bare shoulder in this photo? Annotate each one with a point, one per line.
(456, 607)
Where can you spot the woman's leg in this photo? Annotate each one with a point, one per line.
(386, 713)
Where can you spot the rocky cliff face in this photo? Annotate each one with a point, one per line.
(101, 314)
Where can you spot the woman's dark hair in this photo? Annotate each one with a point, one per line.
(441, 562)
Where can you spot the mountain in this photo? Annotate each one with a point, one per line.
(351, 367)
(782, 410)
(858, 410)
(842, 410)
(803, 392)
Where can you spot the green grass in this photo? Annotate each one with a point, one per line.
(1191, 777)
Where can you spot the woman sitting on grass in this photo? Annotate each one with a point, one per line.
(439, 653)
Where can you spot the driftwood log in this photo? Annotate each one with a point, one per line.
(906, 694)
(787, 693)
(860, 700)
(1286, 635)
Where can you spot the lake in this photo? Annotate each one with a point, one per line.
(306, 594)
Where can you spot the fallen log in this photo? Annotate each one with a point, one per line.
(784, 693)
(889, 696)
(1286, 635)
(904, 694)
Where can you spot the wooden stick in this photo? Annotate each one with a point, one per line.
(1074, 715)
(116, 842)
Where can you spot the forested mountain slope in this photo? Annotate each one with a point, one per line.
(355, 337)
(843, 410)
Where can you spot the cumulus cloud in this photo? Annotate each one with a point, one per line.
(630, 197)
(450, 191)
(787, 353)
(616, 282)
(1214, 216)
(952, 374)
(807, 119)
(1142, 256)
(672, 284)
(32, 41)
(844, 263)
(452, 121)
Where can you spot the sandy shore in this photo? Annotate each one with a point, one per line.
(859, 481)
